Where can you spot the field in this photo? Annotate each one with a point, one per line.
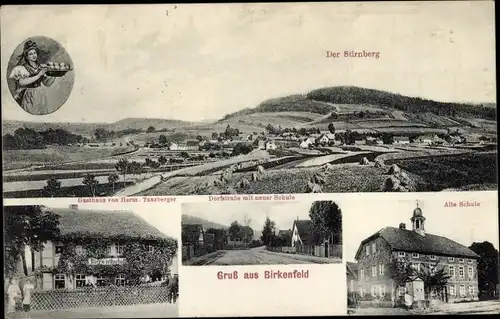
(57, 154)
(454, 171)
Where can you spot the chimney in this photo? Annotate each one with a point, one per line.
(73, 206)
(402, 226)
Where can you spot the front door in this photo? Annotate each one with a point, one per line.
(326, 249)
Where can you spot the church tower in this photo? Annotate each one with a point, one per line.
(418, 221)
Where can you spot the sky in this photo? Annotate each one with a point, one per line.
(196, 62)
(463, 225)
(283, 214)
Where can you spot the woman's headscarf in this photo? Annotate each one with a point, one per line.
(28, 46)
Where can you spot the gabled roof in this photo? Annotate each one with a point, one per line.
(191, 232)
(305, 231)
(352, 269)
(105, 224)
(287, 232)
(410, 241)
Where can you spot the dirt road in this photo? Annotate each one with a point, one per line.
(260, 256)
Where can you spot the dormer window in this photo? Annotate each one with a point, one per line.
(432, 257)
(469, 261)
(451, 259)
(415, 255)
(460, 260)
(401, 253)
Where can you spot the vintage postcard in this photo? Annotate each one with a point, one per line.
(259, 159)
(151, 100)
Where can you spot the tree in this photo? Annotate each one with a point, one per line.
(162, 140)
(434, 277)
(242, 148)
(199, 138)
(331, 128)
(123, 167)
(215, 136)
(326, 221)
(234, 230)
(91, 182)
(184, 154)
(53, 187)
(401, 272)
(387, 138)
(487, 268)
(113, 178)
(26, 226)
(151, 129)
(268, 232)
(247, 230)
(162, 160)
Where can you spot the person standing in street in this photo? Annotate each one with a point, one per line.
(27, 292)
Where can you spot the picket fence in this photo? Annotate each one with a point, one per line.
(58, 299)
(334, 251)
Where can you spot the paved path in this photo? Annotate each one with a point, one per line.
(260, 256)
(160, 310)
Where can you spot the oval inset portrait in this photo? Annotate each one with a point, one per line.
(40, 75)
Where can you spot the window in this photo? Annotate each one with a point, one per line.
(462, 290)
(374, 271)
(460, 260)
(80, 250)
(80, 281)
(432, 257)
(381, 270)
(374, 248)
(471, 290)
(414, 255)
(60, 281)
(401, 253)
(452, 290)
(461, 272)
(368, 250)
(362, 291)
(120, 280)
(151, 248)
(470, 272)
(362, 273)
(119, 249)
(451, 271)
(108, 250)
(101, 281)
(402, 291)
(59, 249)
(374, 290)
(469, 261)
(381, 290)
(451, 259)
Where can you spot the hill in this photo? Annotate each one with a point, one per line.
(323, 101)
(188, 219)
(144, 123)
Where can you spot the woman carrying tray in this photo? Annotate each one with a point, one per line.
(29, 76)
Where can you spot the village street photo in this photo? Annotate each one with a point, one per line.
(74, 262)
(421, 258)
(276, 117)
(261, 233)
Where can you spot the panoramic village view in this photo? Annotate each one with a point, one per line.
(336, 139)
(261, 233)
(80, 263)
(404, 269)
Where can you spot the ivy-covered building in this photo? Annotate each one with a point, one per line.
(100, 248)
(382, 258)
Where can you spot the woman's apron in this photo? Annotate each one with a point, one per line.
(32, 97)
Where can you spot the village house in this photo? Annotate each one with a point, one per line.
(306, 143)
(421, 250)
(323, 139)
(352, 277)
(193, 234)
(125, 226)
(266, 144)
(425, 139)
(302, 233)
(401, 140)
(370, 140)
